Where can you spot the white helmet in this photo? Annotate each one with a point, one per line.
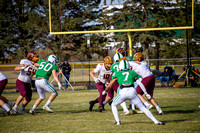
(124, 65)
(53, 59)
(117, 57)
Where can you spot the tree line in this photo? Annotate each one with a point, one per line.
(24, 26)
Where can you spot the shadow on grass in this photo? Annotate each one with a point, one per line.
(179, 111)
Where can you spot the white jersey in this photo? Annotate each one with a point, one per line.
(27, 73)
(2, 76)
(141, 68)
(103, 74)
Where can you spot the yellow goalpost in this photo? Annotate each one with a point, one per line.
(120, 30)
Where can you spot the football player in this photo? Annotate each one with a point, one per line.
(104, 72)
(46, 68)
(4, 101)
(121, 51)
(110, 94)
(126, 78)
(140, 66)
(27, 70)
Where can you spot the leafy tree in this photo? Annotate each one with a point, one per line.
(152, 14)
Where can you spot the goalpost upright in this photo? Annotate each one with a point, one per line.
(121, 30)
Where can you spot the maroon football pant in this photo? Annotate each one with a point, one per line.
(3, 84)
(24, 89)
(149, 84)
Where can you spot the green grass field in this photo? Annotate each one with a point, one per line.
(71, 114)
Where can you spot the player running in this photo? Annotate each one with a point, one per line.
(148, 80)
(126, 78)
(104, 72)
(23, 83)
(46, 68)
(115, 86)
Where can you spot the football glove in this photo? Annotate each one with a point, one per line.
(104, 93)
(96, 80)
(60, 86)
(148, 96)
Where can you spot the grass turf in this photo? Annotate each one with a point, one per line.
(71, 114)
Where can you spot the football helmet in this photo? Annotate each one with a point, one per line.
(138, 57)
(117, 57)
(124, 65)
(53, 59)
(108, 62)
(121, 51)
(33, 56)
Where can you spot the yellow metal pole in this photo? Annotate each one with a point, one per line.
(130, 43)
(50, 16)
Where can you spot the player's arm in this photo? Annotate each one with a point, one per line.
(96, 80)
(36, 64)
(57, 80)
(110, 84)
(21, 67)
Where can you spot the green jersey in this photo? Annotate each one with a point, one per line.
(45, 69)
(114, 68)
(125, 77)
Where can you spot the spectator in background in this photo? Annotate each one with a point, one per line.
(66, 69)
(165, 76)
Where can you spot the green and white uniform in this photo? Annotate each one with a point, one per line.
(42, 76)
(114, 69)
(127, 91)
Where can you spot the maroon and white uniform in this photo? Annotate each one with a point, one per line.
(103, 76)
(148, 79)
(23, 82)
(3, 82)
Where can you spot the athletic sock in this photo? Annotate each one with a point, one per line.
(10, 103)
(22, 108)
(158, 108)
(15, 106)
(146, 104)
(104, 103)
(48, 103)
(6, 108)
(34, 107)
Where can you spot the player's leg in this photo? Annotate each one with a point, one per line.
(6, 101)
(49, 88)
(21, 88)
(150, 90)
(5, 107)
(41, 92)
(136, 100)
(100, 88)
(28, 95)
(121, 97)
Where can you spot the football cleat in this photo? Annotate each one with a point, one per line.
(23, 112)
(100, 109)
(117, 123)
(47, 108)
(160, 123)
(160, 112)
(125, 113)
(13, 111)
(91, 105)
(134, 111)
(32, 111)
